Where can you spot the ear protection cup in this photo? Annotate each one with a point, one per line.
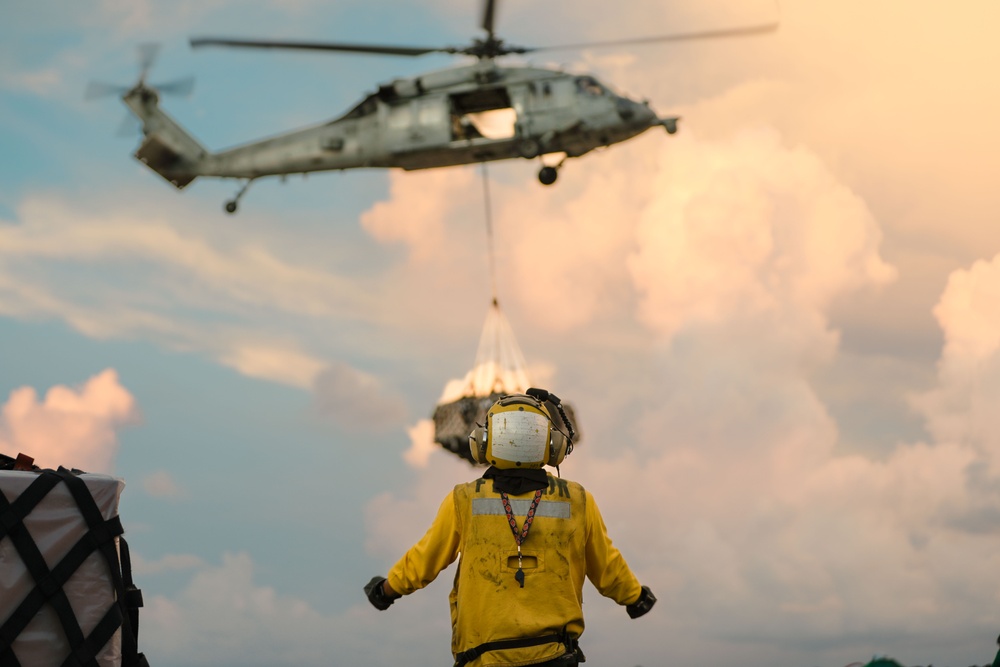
(558, 444)
(477, 444)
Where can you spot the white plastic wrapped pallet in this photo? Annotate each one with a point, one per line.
(56, 524)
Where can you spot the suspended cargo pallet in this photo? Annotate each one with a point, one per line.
(499, 369)
(454, 421)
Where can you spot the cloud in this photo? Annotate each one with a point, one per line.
(356, 399)
(73, 428)
(161, 484)
(961, 409)
(765, 528)
(422, 444)
(206, 271)
(419, 221)
(223, 617)
(728, 492)
(38, 82)
(273, 361)
(167, 563)
(218, 295)
(746, 227)
(396, 520)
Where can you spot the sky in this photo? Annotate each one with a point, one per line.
(779, 328)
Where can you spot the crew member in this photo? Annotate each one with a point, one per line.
(527, 539)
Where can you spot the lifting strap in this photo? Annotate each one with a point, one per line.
(101, 534)
(489, 232)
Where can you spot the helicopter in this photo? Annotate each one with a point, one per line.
(476, 112)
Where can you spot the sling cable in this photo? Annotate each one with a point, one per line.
(499, 367)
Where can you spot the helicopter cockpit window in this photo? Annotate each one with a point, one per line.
(588, 85)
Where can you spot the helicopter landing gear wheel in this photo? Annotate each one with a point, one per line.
(529, 148)
(233, 203)
(547, 175)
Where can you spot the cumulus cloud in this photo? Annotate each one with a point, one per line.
(765, 528)
(731, 495)
(166, 563)
(394, 521)
(961, 409)
(279, 362)
(422, 444)
(356, 399)
(224, 616)
(748, 226)
(161, 484)
(419, 221)
(70, 427)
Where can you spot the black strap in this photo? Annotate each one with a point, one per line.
(465, 657)
(49, 584)
(133, 596)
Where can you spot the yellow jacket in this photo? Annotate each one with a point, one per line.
(567, 541)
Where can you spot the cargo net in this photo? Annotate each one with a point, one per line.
(499, 369)
(66, 591)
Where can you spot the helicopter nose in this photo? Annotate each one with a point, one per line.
(626, 109)
(631, 111)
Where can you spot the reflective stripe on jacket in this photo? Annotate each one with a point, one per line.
(566, 542)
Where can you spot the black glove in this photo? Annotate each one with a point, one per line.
(643, 604)
(376, 594)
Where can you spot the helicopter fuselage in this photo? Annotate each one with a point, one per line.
(461, 115)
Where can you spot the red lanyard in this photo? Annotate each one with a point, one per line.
(520, 536)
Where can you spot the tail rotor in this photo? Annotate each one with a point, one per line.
(147, 55)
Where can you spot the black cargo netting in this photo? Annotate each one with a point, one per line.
(101, 534)
(454, 421)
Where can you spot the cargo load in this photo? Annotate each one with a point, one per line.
(66, 590)
(499, 369)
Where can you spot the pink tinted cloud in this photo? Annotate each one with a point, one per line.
(764, 526)
(963, 408)
(749, 226)
(729, 492)
(70, 427)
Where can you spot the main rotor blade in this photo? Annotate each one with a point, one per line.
(96, 89)
(489, 12)
(322, 46)
(181, 87)
(678, 37)
(147, 56)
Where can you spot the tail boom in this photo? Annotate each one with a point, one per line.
(166, 148)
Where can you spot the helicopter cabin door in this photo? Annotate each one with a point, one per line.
(418, 123)
(548, 106)
(484, 113)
